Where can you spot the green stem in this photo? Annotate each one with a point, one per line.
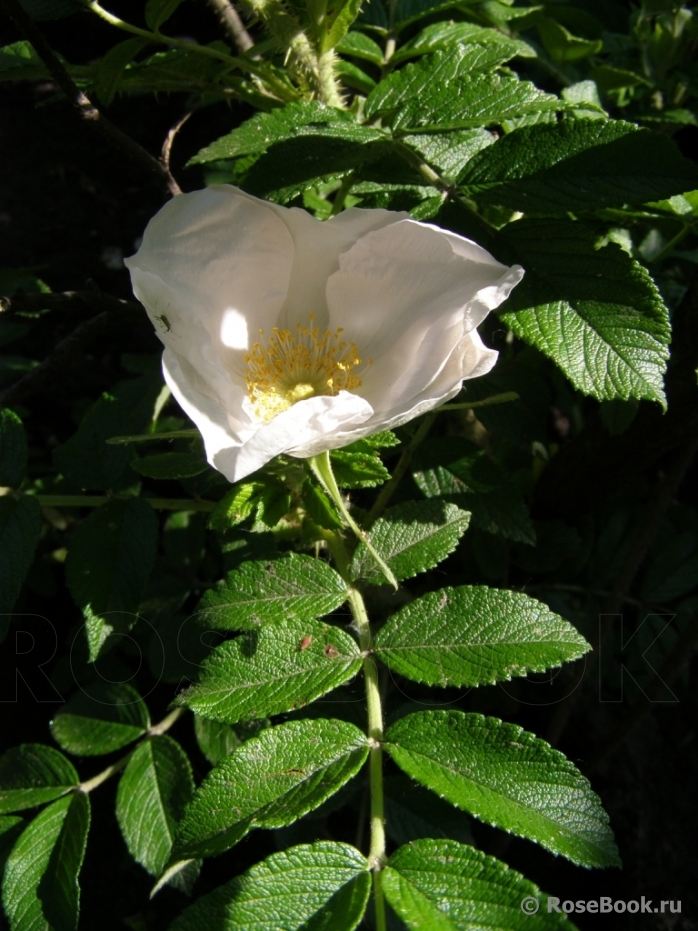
(322, 468)
(667, 247)
(342, 193)
(282, 90)
(95, 501)
(493, 399)
(115, 768)
(376, 853)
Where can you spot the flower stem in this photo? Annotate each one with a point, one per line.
(322, 468)
(376, 853)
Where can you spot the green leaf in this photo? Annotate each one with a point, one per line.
(411, 538)
(286, 168)
(594, 311)
(450, 152)
(447, 886)
(101, 718)
(19, 61)
(443, 36)
(318, 886)
(578, 165)
(358, 470)
(270, 781)
(20, 526)
(295, 119)
(507, 777)
(11, 826)
(32, 774)
(274, 504)
(294, 586)
(216, 741)
(13, 449)
(108, 563)
(40, 889)
(170, 465)
(158, 12)
(112, 66)
(319, 507)
(447, 91)
(455, 469)
(86, 458)
(359, 45)
(285, 665)
(474, 635)
(338, 19)
(153, 792)
(239, 504)
(561, 45)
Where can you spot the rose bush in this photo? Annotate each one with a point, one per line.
(284, 334)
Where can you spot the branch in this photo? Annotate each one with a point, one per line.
(170, 138)
(81, 103)
(232, 23)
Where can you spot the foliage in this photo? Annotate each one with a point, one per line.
(543, 132)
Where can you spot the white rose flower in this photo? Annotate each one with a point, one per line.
(284, 334)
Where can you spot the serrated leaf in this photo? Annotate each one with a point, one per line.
(239, 504)
(450, 152)
(112, 66)
(158, 12)
(13, 449)
(100, 718)
(445, 91)
(411, 538)
(358, 470)
(444, 35)
(285, 665)
(320, 508)
(295, 119)
(359, 45)
(170, 465)
(108, 563)
(322, 886)
(19, 61)
(274, 504)
(474, 635)
(264, 591)
(153, 792)
(32, 774)
(578, 165)
(270, 781)
(285, 169)
(562, 45)
(595, 312)
(216, 741)
(506, 777)
(454, 468)
(20, 526)
(51, 9)
(40, 888)
(11, 826)
(447, 886)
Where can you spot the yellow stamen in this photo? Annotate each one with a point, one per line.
(290, 367)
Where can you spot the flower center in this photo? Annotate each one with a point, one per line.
(289, 367)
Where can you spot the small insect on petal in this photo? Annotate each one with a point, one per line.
(305, 643)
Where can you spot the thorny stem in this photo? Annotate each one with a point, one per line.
(322, 468)
(115, 768)
(376, 853)
(282, 90)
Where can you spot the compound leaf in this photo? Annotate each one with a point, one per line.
(101, 718)
(40, 889)
(447, 886)
(474, 635)
(594, 311)
(323, 886)
(284, 665)
(32, 774)
(153, 792)
(506, 777)
(263, 591)
(270, 781)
